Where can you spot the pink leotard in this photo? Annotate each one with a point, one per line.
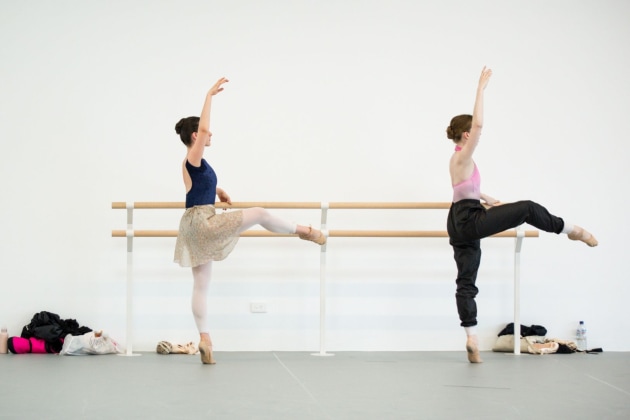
(468, 188)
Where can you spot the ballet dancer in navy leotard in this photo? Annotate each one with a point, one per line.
(205, 236)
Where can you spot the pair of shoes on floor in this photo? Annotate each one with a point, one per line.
(206, 353)
(165, 347)
(313, 235)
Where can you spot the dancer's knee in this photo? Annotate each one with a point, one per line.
(466, 290)
(253, 216)
(262, 215)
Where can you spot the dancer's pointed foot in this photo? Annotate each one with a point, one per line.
(206, 353)
(581, 234)
(473, 350)
(313, 235)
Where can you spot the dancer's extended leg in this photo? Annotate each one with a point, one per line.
(260, 216)
(508, 216)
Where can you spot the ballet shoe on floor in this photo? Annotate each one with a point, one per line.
(473, 352)
(545, 348)
(581, 234)
(188, 348)
(206, 353)
(164, 347)
(313, 235)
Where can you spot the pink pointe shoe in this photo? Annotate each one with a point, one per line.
(313, 235)
(473, 351)
(581, 234)
(206, 353)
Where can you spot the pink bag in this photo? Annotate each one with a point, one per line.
(18, 345)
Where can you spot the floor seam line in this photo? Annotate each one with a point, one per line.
(610, 385)
(310, 394)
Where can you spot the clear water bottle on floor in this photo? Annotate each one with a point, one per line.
(4, 339)
(580, 336)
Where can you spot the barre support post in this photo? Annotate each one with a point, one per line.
(322, 284)
(518, 243)
(129, 308)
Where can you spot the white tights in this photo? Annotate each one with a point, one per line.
(202, 273)
(199, 303)
(260, 216)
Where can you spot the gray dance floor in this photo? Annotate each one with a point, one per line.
(297, 385)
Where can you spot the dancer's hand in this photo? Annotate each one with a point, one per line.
(490, 200)
(223, 196)
(217, 86)
(484, 78)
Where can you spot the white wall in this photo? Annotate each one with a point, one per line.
(327, 100)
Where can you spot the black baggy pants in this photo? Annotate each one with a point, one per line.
(468, 222)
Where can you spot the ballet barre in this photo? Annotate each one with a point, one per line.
(518, 234)
(147, 233)
(290, 205)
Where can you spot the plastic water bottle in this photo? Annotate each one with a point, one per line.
(580, 336)
(4, 338)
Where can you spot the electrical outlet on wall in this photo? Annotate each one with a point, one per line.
(258, 307)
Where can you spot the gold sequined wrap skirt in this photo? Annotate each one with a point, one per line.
(206, 236)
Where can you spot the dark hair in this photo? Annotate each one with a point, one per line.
(459, 125)
(185, 128)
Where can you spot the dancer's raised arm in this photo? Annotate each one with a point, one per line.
(195, 153)
(477, 117)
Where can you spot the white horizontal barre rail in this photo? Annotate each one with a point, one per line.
(291, 205)
(130, 233)
(146, 233)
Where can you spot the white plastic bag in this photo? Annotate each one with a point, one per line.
(89, 343)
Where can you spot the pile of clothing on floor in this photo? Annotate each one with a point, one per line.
(534, 341)
(49, 333)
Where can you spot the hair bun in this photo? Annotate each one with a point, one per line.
(449, 133)
(179, 125)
